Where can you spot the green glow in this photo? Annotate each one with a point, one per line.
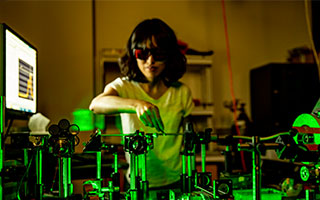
(99, 122)
(133, 180)
(65, 177)
(65, 185)
(193, 162)
(137, 164)
(266, 194)
(39, 166)
(306, 120)
(115, 162)
(256, 170)
(25, 161)
(61, 189)
(132, 170)
(189, 166)
(317, 138)
(143, 167)
(84, 118)
(184, 170)
(2, 104)
(307, 194)
(69, 183)
(203, 156)
(304, 173)
(99, 165)
(2, 128)
(254, 185)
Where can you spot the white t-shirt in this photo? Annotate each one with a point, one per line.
(163, 161)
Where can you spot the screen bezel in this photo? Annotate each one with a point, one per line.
(13, 113)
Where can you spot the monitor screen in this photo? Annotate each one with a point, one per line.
(20, 73)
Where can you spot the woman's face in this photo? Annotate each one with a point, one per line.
(151, 64)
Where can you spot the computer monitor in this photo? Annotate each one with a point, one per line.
(18, 65)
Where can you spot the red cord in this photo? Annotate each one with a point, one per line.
(55, 175)
(231, 82)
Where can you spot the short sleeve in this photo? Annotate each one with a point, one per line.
(188, 102)
(118, 85)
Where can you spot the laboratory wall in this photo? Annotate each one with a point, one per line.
(259, 32)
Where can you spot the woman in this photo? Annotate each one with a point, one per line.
(149, 97)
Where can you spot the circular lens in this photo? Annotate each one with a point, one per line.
(54, 130)
(64, 124)
(304, 173)
(223, 189)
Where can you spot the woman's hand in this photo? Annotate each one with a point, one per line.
(109, 102)
(149, 115)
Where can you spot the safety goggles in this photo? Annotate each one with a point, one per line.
(157, 54)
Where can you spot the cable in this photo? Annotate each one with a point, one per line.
(315, 54)
(204, 190)
(77, 140)
(231, 82)
(262, 138)
(24, 175)
(55, 176)
(8, 129)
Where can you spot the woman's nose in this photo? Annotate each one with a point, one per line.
(150, 59)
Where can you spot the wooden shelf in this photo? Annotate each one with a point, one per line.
(205, 61)
(202, 113)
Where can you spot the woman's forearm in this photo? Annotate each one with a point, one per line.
(147, 112)
(112, 105)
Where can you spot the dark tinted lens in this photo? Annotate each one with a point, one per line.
(157, 54)
(159, 57)
(141, 54)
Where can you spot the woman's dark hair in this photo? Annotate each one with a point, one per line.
(165, 38)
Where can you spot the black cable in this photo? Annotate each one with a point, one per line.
(248, 138)
(77, 140)
(7, 131)
(24, 175)
(55, 176)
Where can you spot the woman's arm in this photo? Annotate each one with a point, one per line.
(109, 102)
